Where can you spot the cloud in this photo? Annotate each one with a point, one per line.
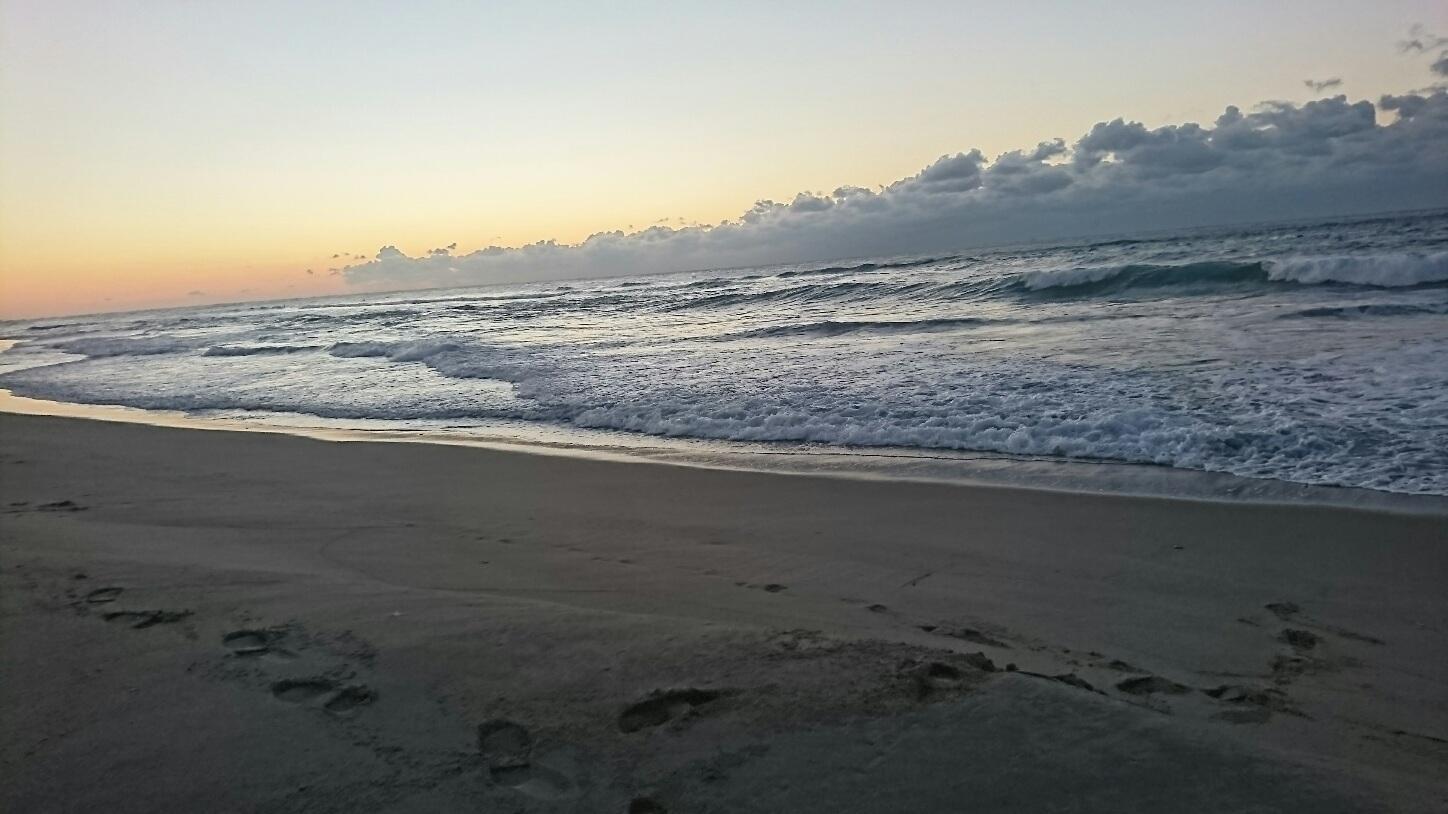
(1421, 40)
(1275, 161)
(1406, 106)
(1320, 85)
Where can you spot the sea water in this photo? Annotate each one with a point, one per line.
(1310, 353)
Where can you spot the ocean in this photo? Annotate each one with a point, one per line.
(1306, 353)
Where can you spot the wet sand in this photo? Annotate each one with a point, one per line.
(203, 620)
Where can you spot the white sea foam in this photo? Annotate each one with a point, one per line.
(1041, 279)
(409, 351)
(1384, 270)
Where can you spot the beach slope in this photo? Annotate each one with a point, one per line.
(202, 620)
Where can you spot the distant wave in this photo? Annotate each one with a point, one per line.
(801, 294)
(1370, 310)
(1380, 271)
(98, 347)
(1056, 282)
(1383, 271)
(414, 351)
(256, 350)
(1110, 279)
(903, 264)
(838, 328)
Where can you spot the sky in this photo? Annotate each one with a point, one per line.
(167, 153)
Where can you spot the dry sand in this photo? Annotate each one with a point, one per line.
(212, 621)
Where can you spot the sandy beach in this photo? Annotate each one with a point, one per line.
(217, 621)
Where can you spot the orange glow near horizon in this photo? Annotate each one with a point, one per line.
(118, 266)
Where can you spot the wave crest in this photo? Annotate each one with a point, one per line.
(837, 328)
(1380, 270)
(256, 350)
(414, 351)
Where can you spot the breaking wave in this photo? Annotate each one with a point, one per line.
(1184, 279)
(1381, 270)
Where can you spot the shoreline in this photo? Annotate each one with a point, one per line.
(331, 623)
(979, 469)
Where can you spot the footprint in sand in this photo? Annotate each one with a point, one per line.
(937, 677)
(1300, 639)
(773, 587)
(507, 751)
(663, 706)
(102, 595)
(965, 634)
(1287, 611)
(1283, 610)
(349, 698)
(334, 698)
(147, 618)
(1251, 705)
(504, 744)
(1149, 684)
(1069, 679)
(1247, 715)
(302, 690)
(255, 642)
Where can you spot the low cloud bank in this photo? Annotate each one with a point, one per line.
(1278, 161)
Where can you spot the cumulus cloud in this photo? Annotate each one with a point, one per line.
(1406, 106)
(1277, 160)
(1320, 85)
